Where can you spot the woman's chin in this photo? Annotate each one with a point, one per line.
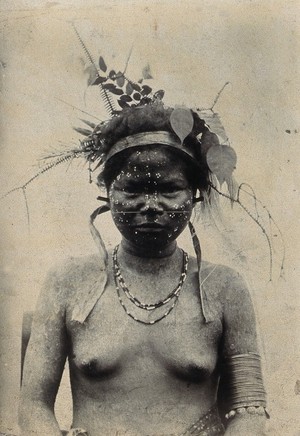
(152, 241)
(155, 238)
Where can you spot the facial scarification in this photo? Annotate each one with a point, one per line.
(151, 198)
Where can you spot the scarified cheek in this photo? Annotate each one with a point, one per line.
(120, 216)
(120, 201)
(181, 205)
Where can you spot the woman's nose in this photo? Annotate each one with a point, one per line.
(151, 204)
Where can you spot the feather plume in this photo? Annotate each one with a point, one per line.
(104, 94)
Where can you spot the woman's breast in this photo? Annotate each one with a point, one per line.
(113, 351)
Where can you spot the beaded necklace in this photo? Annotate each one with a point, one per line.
(173, 295)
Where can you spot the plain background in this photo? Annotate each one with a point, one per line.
(193, 48)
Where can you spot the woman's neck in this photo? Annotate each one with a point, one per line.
(148, 262)
(148, 253)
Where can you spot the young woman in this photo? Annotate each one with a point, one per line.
(153, 337)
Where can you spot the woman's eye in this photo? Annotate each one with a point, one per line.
(171, 190)
(131, 191)
(129, 188)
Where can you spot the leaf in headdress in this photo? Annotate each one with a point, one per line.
(92, 72)
(214, 122)
(117, 91)
(146, 73)
(102, 64)
(109, 86)
(129, 88)
(182, 122)
(221, 160)
(120, 79)
(99, 80)
(88, 123)
(208, 139)
(135, 86)
(126, 98)
(159, 95)
(123, 104)
(137, 96)
(84, 132)
(146, 90)
(112, 74)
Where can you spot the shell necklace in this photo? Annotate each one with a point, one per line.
(171, 297)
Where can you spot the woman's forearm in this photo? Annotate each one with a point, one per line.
(37, 418)
(248, 425)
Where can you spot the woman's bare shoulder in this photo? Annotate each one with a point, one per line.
(65, 277)
(73, 268)
(220, 282)
(221, 275)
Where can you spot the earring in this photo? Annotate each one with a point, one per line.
(100, 198)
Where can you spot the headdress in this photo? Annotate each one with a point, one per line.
(138, 117)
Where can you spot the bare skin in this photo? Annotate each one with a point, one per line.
(126, 377)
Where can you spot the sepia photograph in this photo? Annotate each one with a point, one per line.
(150, 218)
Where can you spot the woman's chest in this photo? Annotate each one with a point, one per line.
(111, 342)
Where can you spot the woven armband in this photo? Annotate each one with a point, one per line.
(242, 384)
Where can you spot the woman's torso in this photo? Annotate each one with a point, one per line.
(130, 378)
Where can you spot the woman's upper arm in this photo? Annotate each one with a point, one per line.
(239, 335)
(47, 349)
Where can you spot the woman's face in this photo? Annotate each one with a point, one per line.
(151, 199)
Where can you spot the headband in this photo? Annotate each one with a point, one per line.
(149, 138)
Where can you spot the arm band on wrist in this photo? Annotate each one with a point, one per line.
(242, 384)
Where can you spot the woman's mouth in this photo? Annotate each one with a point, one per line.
(149, 226)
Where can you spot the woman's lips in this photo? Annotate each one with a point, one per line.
(150, 224)
(153, 227)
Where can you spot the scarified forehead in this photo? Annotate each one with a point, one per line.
(154, 167)
(157, 163)
(155, 155)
